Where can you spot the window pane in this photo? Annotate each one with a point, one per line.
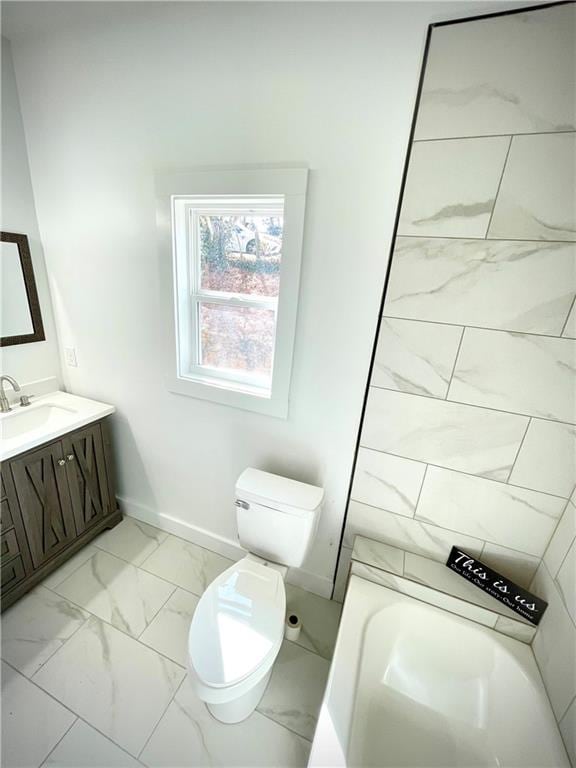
(237, 339)
(240, 253)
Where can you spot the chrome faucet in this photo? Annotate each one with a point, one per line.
(4, 404)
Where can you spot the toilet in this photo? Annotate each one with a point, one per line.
(238, 624)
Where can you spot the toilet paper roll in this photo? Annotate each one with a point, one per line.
(293, 627)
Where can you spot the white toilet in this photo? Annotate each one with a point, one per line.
(238, 624)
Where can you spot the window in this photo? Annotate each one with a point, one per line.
(236, 263)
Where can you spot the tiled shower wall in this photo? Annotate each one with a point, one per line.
(469, 433)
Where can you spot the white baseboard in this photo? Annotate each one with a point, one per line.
(222, 545)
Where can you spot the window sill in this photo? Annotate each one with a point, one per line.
(235, 396)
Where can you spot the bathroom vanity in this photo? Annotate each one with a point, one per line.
(57, 486)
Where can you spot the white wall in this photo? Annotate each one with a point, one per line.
(113, 93)
(39, 360)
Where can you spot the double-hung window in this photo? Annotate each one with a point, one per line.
(235, 274)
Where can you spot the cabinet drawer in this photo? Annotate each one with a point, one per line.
(5, 516)
(8, 545)
(12, 573)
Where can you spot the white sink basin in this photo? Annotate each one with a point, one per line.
(47, 418)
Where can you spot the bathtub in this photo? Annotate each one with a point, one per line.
(414, 686)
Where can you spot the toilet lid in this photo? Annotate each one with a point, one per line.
(238, 623)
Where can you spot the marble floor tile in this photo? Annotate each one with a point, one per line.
(117, 591)
(296, 688)
(84, 747)
(32, 722)
(496, 512)
(68, 568)
(387, 481)
(536, 200)
(451, 435)
(416, 357)
(519, 372)
(406, 533)
(507, 285)
(112, 681)
(461, 205)
(185, 564)
(547, 459)
(320, 619)
(189, 737)
(168, 632)
(131, 540)
(37, 626)
(476, 76)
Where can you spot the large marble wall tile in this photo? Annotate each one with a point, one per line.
(570, 327)
(514, 286)
(535, 375)
(415, 357)
(112, 681)
(406, 533)
(568, 731)
(494, 76)
(547, 459)
(517, 566)
(499, 513)
(116, 591)
(36, 627)
(566, 581)
(554, 645)
(537, 197)
(32, 722)
(451, 187)
(562, 539)
(387, 481)
(378, 554)
(188, 735)
(456, 436)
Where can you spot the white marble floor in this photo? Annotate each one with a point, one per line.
(94, 665)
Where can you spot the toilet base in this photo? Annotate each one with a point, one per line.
(239, 709)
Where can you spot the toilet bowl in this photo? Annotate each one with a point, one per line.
(235, 636)
(238, 625)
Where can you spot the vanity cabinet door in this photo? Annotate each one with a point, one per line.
(44, 500)
(87, 476)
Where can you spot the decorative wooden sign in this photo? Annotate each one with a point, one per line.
(497, 586)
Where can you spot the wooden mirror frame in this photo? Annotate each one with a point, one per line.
(32, 294)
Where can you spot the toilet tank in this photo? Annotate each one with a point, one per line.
(277, 517)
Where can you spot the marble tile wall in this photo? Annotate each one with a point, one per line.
(469, 431)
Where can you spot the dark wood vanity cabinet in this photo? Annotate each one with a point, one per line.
(53, 500)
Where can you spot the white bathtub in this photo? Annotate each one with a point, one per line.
(412, 685)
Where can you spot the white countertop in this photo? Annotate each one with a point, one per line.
(46, 418)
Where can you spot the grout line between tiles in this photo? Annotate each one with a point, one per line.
(65, 642)
(477, 405)
(420, 491)
(518, 454)
(494, 135)
(498, 187)
(149, 623)
(567, 708)
(460, 472)
(59, 584)
(388, 316)
(559, 594)
(455, 363)
(489, 239)
(153, 731)
(43, 763)
(568, 317)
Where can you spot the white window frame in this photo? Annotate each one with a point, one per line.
(178, 197)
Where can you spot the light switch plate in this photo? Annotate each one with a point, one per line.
(70, 357)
